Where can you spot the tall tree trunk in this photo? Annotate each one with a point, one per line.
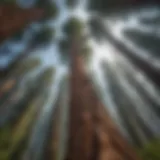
(93, 136)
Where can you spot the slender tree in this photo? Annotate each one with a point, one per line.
(21, 119)
(144, 40)
(12, 82)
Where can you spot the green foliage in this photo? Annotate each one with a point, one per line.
(47, 76)
(73, 27)
(103, 6)
(50, 8)
(23, 126)
(64, 49)
(20, 67)
(12, 139)
(7, 1)
(18, 36)
(5, 135)
(51, 11)
(86, 53)
(97, 28)
(151, 151)
(27, 66)
(44, 36)
(63, 45)
(71, 3)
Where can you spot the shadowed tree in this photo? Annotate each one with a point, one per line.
(10, 84)
(58, 130)
(44, 79)
(105, 7)
(131, 42)
(49, 7)
(71, 3)
(44, 36)
(139, 132)
(21, 119)
(64, 49)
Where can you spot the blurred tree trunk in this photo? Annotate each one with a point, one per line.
(10, 83)
(152, 73)
(93, 136)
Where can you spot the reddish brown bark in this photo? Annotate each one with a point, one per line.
(13, 18)
(93, 135)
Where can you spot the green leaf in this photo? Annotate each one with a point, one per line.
(26, 66)
(104, 6)
(64, 47)
(73, 27)
(50, 8)
(71, 3)
(86, 53)
(8, 1)
(151, 151)
(44, 36)
(47, 76)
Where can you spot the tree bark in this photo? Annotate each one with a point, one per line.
(13, 18)
(93, 135)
